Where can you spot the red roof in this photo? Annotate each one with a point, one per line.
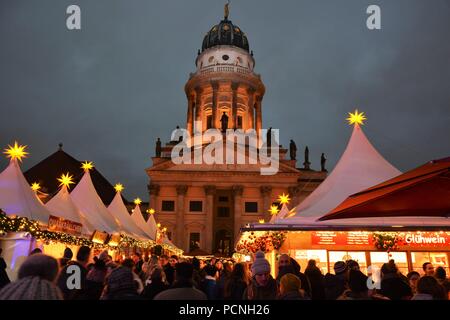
(424, 191)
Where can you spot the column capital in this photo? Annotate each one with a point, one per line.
(181, 189)
(234, 85)
(210, 190)
(294, 191)
(153, 189)
(265, 190)
(238, 190)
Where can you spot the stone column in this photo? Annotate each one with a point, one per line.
(251, 108)
(153, 190)
(180, 237)
(215, 104)
(210, 191)
(198, 107)
(237, 192)
(294, 193)
(190, 115)
(258, 117)
(266, 193)
(234, 113)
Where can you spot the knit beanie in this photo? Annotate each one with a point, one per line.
(31, 288)
(121, 280)
(340, 267)
(290, 283)
(260, 265)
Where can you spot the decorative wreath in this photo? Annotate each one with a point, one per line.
(387, 241)
(265, 243)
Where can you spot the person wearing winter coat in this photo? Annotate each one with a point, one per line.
(95, 280)
(392, 284)
(209, 284)
(286, 264)
(337, 283)
(36, 280)
(357, 287)
(4, 279)
(428, 288)
(155, 284)
(236, 284)
(262, 285)
(83, 257)
(290, 288)
(316, 279)
(183, 286)
(120, 285)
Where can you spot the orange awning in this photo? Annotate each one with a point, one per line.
(424, 191)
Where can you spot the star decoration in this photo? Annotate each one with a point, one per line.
(137, 201)
(66, 180)
(118, 187)
(16, 152)
(356, 118)
(284, 198)
(87, 165)
(35, 186)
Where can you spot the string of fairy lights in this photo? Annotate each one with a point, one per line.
(14, 223)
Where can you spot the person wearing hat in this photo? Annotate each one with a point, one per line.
(120, 285)
(290, 288)
(36, 280)
(262, 285)
(337, 283)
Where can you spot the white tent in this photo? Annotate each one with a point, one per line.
(140, 222)
(151, 222)
(360, 167)
(280, 215)
(16, 196)
(62, 205)
(120, 212)
(86, 198)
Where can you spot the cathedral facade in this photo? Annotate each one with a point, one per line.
(203, 206)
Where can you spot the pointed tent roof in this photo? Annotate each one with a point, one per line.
(48, 170)
(360, 167)
(151, 222)
(140, 222)
(120, 212)
(284, 212)
(62, 205)
(16, 196)
(86, 198)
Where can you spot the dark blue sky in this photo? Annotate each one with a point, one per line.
(109, 90)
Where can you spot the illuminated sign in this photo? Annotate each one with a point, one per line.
(353, 238)
(63, 225)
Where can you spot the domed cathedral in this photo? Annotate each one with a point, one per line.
(225, 84)
(203, 206)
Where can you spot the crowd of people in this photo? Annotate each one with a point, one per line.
(42, 277)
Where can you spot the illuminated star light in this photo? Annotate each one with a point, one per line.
(35, 186)
(137, 201)
(16, 152)
(151, 211)
(87, 165)
(261, 221)
(284, 198)
(356, 118)
(273, 210)
(66, 180)
(118, 187)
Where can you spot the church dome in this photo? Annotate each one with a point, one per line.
(225, 33)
